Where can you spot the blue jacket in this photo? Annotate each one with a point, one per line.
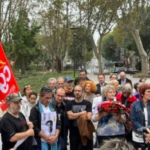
(137, 116)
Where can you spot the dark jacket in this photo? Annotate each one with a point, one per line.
(99, 88)
(127, 81)
(137, 116)
(65, 118)
(35, 118)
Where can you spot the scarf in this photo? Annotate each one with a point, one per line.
(46, 146)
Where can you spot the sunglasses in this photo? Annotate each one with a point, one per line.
(128, 93)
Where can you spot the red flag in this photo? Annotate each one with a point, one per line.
(3, 105)
(8, 84)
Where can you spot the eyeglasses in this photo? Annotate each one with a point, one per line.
(128, 93)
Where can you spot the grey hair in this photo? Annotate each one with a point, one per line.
(113, 82)
(116, 144)
(60, 78)
(127, 88)
(51, 79)
(106, 89)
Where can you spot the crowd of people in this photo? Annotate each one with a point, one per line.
(65, 111)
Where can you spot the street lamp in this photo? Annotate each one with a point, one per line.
(74, 50)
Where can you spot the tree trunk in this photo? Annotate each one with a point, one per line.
(53, 65)
(23, 66)
(100, 65)
(143, 54)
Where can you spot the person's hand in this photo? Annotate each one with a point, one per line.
(103, 114)
(84, 112)
(12, 149)
(46, 138)
(30, 132)
(30, 125)
(147, 139)
(52, 139)
(117, 116)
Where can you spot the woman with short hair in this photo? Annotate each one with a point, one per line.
(110, 125)
(140, 116)
(89, 90)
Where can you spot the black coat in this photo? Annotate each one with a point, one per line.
(35, 118)
(127, 81)
(99, 88)
(64, 122)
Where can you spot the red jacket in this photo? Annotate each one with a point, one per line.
(131, 99)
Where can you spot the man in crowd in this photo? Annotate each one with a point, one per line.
(60, 107)
(83, 74)
(69, 89)
(101, 84)
(46, 123)
(60, 82)
(123, 80)
(113, 77)
(52, 84)
(14, 126)
(75, 109)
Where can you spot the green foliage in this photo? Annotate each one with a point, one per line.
(145, 35)
(81, 47)
(38, 79)
(110, 49)
(24, 45)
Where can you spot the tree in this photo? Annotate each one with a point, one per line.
(110, 49)
(55, 32)
(99, 16)
(131, 17)
(25, 48)
(81, 47)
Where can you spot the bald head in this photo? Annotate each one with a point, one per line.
(59, 95)
(122, 75)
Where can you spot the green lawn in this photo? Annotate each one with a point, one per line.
(38, 79)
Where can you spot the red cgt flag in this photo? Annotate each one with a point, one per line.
(8, 84)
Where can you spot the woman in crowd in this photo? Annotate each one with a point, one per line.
(110, 125)
(89, 89)
(115, 83)
(126, 97)
(27, 107)
(26, 91)
(140, 116)
(136, 92)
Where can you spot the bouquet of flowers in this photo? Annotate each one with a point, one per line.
(112, 107)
